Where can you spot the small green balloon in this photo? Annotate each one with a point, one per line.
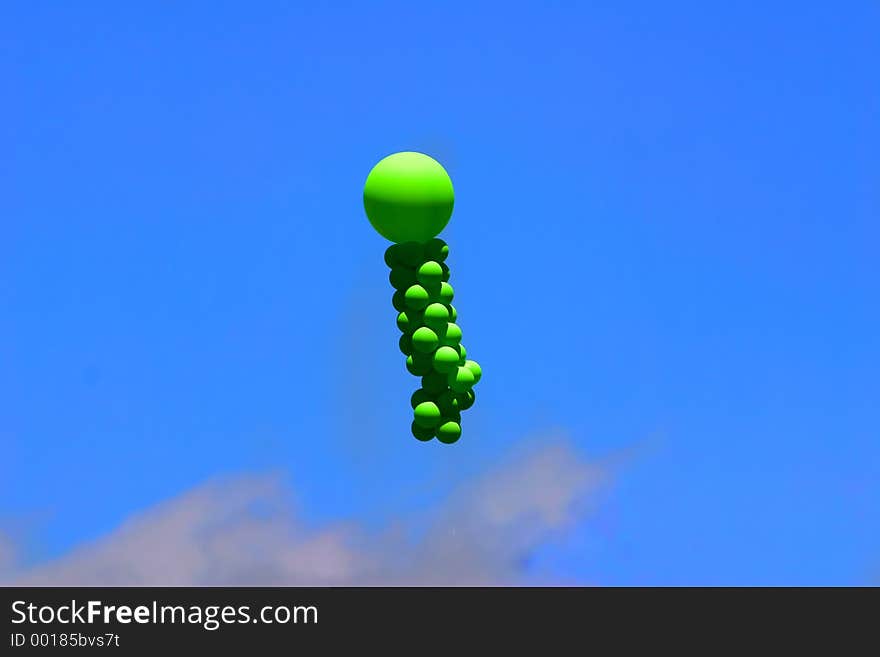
(466, 399)
(452, 336)
(436, 317)
(446, 293)
(435, 383)
(449, 432)
(462, 353)
(448, 403)
(401, 277)
(406, 345)
(424, 340)
(404, 323)
(445, 276)
(453, 313)
(430, 274)
(416, 297)
(461, 379)
(475, 369)
(446, 360)
(419, 364)
(409, 320)
(408, 197)
(422, 433)
(436, 250)
(420, 396)
(427, 414)
(411, 254)
(398, 300)
(392, 256)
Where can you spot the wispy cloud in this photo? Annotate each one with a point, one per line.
(244, 531)
(8, 555)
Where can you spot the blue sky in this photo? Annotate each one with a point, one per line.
(665, 244)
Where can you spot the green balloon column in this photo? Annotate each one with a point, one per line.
(408, 199)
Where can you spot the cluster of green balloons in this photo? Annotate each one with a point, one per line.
(430, 339)
(408, 198)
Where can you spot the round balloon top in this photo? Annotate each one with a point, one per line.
(408, 197)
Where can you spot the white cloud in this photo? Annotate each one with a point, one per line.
(243, 531)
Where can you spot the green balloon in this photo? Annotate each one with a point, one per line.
(392, 256)
(408, 197)
(475, 369)
(436, 317)
(404, 322)
(437, 250)
(416, 297)
(463, 354)
(430, 274)
(435, 383)
(420, 396)
(466, 399)
(452, 336)
(448, 403)
(427, 414)
(402, 277)
(461, 379)
(449, 432)
(422, 433)
(446, 293)
(419, 364)
(445, 276)
(446, 360)
(453, 313)
(410, 254)
(424, 340)
(406, 344)
(398, 301)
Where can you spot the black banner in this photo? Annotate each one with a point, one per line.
(126, 620)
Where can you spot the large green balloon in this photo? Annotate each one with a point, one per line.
(408, 197)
